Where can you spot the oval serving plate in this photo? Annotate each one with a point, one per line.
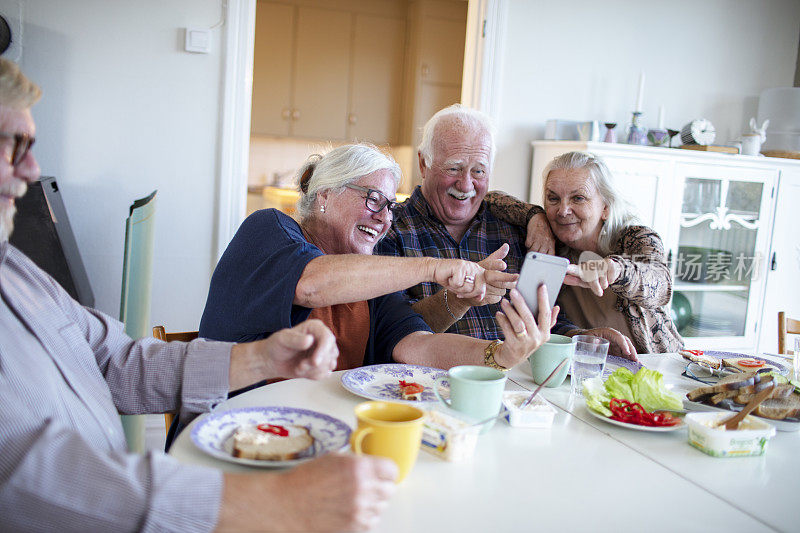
(782, 368)
(214, 433)
(381, 382)
(614, 362)
(656, 429)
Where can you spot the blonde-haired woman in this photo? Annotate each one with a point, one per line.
(619, 278)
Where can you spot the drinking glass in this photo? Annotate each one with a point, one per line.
(588, 362)
(796, 359)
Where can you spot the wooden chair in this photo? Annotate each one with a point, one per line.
(786, 326)
(184, 336)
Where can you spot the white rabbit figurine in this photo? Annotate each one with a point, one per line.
(762, 131)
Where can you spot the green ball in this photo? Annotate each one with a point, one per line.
(681, 310)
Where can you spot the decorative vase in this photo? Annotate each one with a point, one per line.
(636, 133)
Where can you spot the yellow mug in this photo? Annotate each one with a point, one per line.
(392, 430)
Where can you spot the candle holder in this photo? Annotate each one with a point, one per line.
(611, 134)
(636, 133)
(671, 133)
(658, 137)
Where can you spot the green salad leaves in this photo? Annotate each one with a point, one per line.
(646, 387)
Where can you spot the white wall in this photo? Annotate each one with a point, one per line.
(125, 111)
(580, 60)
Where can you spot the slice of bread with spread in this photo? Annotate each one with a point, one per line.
(270, 442)
(698, 356)
(747, 364)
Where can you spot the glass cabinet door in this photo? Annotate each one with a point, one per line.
(718, 259)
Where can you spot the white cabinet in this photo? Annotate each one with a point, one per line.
(783, 261)
(715, 214)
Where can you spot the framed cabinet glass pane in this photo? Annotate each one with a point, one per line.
(717, 258)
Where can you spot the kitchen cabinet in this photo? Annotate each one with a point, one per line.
(721, 222)
(436, 61)
(327, 73)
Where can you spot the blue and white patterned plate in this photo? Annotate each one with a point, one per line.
(782, 368)
(381, 382)
(214, 433)
(614, 362)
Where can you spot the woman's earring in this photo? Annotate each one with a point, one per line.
(322, 209)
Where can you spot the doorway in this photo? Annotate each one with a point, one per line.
(478, 75)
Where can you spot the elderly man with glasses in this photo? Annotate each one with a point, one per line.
(66, 371)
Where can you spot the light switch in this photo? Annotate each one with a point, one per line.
(198, 40)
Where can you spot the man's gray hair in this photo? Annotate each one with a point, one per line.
(465, 117)
(337, 168)
(16, 90)
(620, 212)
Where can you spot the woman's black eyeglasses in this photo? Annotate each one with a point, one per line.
(374, 200)
(22, 145)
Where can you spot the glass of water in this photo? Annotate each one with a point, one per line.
(796, 359)
(588, 362)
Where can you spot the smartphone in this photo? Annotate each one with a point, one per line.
(541, 269)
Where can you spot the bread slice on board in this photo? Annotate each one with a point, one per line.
(780, 408)
(729, 386)
(736, 362)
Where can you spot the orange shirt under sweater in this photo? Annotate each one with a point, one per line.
(350, 325)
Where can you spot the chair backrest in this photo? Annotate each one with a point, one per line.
(183, 336)
(137, 284)
(137, 267)
(786, 326)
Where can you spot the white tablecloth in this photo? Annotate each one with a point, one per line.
(582, 474)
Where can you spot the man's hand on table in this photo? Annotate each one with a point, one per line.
(307, 350)
(337, 492)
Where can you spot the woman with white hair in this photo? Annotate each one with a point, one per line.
(619, 277)
(276, 272)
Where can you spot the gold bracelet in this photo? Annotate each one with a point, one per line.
(488, 356)
(447, 306)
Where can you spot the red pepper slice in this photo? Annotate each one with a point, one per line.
(280, 431)
(633, 413)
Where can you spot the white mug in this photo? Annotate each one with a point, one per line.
(751, 144)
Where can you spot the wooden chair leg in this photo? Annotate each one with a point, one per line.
(782, 332)
(168, 417)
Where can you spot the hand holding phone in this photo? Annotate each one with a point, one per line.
(541, 269)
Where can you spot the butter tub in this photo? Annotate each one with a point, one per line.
(538, 414)
(750, 439)
(448, 436)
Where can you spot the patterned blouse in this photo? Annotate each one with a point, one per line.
(643, 289)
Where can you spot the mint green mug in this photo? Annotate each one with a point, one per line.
(548, 356)
(476, 391)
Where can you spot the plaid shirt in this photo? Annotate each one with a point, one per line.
(416, 232)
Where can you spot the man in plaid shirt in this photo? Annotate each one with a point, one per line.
(448, 216)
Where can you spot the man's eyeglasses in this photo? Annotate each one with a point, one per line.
(705, 374)
(374, 200)
(22, 145)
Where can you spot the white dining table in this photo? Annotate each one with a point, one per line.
(581, 474)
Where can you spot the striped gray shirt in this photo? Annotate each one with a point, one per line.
(65, 373)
